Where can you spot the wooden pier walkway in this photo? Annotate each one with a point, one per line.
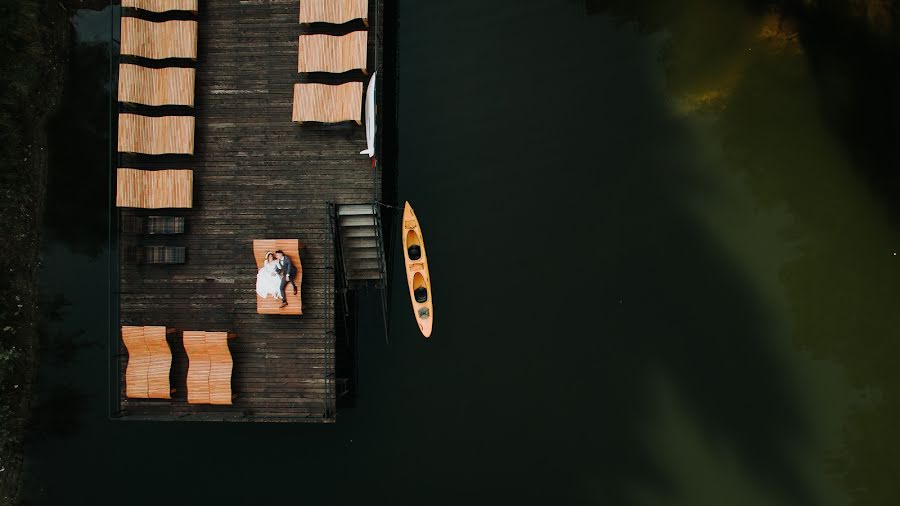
(257, 175)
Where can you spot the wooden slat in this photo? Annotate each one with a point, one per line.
(220, 368)
(154, 189)
(156, 135)
(138, 368)
(328, 53)
(199, 367)
(160, 362)
(328, 103)
(333, 11)
(147, 86)
(167, 39)
(162, 5)
(271, 305)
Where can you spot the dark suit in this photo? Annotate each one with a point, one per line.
(288, 271)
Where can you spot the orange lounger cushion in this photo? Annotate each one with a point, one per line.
(291, 248)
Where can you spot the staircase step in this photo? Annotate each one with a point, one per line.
(355, 209)
(363, 264)
(353, 254)
(359, 242)
(364, 274)
(357, 221)
(360, 284)
(358, 232)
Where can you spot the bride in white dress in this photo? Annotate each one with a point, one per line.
(268, 281)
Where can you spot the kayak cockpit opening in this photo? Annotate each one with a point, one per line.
(413, 246)
(420, 292)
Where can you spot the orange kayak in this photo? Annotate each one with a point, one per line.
(417, 276)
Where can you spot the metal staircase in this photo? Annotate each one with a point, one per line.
(359, 231)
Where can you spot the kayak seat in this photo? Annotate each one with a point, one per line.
(421, 294)
(415, 252)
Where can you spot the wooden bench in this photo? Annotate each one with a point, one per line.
(329, 53)
(149, 362)
(157, 41)
(154, 189)
(291, 248)
(333, 11)
(147, 86)
(161, 5)
(149, 135)
(328, 103)
(209, 367)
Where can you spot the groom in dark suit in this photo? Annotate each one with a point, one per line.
(287, 271)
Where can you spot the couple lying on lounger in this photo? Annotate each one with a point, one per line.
(275, 274)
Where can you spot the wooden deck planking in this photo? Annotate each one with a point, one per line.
(256, 174)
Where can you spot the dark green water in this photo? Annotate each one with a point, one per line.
(664, 275)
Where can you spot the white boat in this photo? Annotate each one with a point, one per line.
(370, 118)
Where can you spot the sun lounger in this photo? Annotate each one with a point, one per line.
(209, 367)
(168, 39)
(162, 5)
(291, 248)
(154, 189)
(149, 362)
(156, 135)
(328, 53)
(333, 11)
(328, 103)
(147, 86)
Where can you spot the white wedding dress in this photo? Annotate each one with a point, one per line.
(268, 282)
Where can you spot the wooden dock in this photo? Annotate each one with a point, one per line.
(257, 175)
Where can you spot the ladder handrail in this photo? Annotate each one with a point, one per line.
(341, 274)
(382, 269)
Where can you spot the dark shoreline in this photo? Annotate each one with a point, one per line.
(43, 42)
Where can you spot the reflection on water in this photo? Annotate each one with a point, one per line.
(691, 279)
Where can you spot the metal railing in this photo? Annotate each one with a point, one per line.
(382, 271)
(342, 284)
(328, 327)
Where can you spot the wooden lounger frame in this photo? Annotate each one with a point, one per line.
(162, 5)
(333, 11)
(271, 305)
(151, 135)
(149, 362)
(165, 86)
(154, 189)
(209, 367)
(330, 53)
(168, 39)
(328, 103)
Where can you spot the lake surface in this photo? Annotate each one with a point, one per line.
(664, 275)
